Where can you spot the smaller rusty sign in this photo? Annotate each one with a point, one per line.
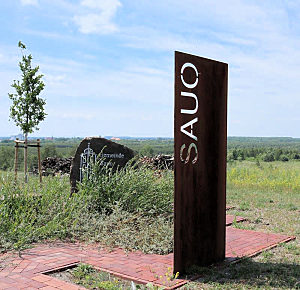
(200, 133)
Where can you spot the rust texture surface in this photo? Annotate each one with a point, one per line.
(200, 132)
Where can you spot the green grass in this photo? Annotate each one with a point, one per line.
(88, 277)
(133, 210)
(32, 213)
(274, 177)
(269, 196)
(91, 278)
(263, 272)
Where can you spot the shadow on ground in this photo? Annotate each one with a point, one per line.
(249, 273)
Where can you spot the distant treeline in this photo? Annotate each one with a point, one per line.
(267, 154)
(238, 148)
(266, 149)
(271, 142)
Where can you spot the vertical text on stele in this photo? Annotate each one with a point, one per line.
(186, 149)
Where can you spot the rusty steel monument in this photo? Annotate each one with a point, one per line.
(200, 133)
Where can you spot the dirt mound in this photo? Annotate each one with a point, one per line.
(55, 165)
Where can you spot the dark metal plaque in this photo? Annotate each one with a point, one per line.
(200, 161)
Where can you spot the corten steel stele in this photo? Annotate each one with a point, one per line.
(200, 161)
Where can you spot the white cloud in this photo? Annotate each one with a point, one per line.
(97, 17)
(107, 6)
(259, 41)
(29, 2)
(94, 23)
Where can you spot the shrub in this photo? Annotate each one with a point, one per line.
(268, 157)
(296, 156)
(32, 212)
(135, 189)
(6, 157)
(284, 158)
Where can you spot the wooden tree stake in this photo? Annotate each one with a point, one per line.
(25, 146)
(39, 159)
(16, 159)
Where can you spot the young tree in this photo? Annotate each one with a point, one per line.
(27, 109)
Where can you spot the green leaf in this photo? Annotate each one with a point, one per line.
(27, 109)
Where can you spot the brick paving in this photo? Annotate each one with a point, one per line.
(231, 218)
(228, 207)
(27, 271)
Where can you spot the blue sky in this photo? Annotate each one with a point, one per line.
(108, 64)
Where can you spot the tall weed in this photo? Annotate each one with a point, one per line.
(130, 208)
(135, 189)
(30, 212)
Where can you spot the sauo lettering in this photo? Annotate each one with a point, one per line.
(190, 124)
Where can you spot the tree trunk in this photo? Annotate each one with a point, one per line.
(25, 158)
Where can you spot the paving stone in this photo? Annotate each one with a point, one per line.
(48, 288)
(41, 278)
(231, 218)
(29, 272)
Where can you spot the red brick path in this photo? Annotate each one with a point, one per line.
(26, 272)
(231, 218)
